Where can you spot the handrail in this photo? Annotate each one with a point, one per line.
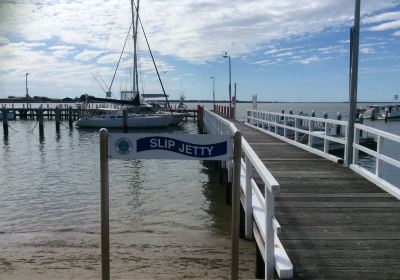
(269, 122)
(255, 204)
(375, 177)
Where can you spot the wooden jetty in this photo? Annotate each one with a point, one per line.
(331, 222)
(335, 224)
(74, 113)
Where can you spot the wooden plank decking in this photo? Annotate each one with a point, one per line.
(335, 224)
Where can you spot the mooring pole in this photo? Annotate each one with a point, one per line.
(57, 117)
(354, 50)
(104, 187)
(40, 120)
(5, 121)
(70, 117)
(237, 154)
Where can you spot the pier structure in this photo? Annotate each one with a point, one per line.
(63, 112)
(311, 216)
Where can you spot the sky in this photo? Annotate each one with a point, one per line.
(282, 50)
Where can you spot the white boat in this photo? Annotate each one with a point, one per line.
(113, 118)
(392, 112)
(140, 115)
(375, 111)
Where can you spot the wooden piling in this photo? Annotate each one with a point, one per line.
(70, 117)
(57, 117)
(40, 120)
(4, 113)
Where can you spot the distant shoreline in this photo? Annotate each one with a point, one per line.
(23, 100)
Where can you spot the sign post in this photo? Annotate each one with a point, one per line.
(104, 187)
(131, 146)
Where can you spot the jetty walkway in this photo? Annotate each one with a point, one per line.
(332, 222)
(335, 224)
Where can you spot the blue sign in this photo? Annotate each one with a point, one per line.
(181, 147)
(169, 146)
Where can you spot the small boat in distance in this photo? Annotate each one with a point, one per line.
(379, 112)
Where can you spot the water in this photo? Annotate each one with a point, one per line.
(168, 219)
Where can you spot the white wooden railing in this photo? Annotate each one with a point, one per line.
(279, 125)
(380, 158)
(256, 205)
(295, 129)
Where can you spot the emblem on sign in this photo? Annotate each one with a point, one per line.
(123, 146)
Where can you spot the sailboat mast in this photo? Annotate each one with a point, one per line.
(135, 46)
(134, 37)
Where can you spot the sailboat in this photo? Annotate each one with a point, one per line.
(141, 114)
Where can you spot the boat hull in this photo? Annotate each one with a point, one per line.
(140, 121)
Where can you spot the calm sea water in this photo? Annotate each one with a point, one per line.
(168, 218)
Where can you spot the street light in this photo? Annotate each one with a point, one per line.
(213, 92)
(226, 55)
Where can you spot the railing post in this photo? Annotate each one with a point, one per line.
(249, 200)
(327, 132)
(356, 141)
(326, 141)
(285, 124)
(270, 235)
(310, 129)
(296, 133)
(379, 150)
(338, 128)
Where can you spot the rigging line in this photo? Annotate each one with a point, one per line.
(119, 60)
(108, 38)
(155, 66)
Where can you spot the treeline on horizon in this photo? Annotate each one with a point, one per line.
(84, 97)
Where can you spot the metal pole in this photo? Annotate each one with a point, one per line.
(230, 85)
(237, 151)
(213, 78)
(104, 187)
(26, 87)
(234, 104)
(354, 79)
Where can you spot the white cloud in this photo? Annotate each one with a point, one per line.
(285, 54)
(4, 40)
(386, 26)
(382, 17)
(308, 60)
(397, 33)
(367, 50)
(87, 55)
(195, 31)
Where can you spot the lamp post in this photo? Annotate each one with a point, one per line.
(26, 87)
(226, 55)
(213, 92)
